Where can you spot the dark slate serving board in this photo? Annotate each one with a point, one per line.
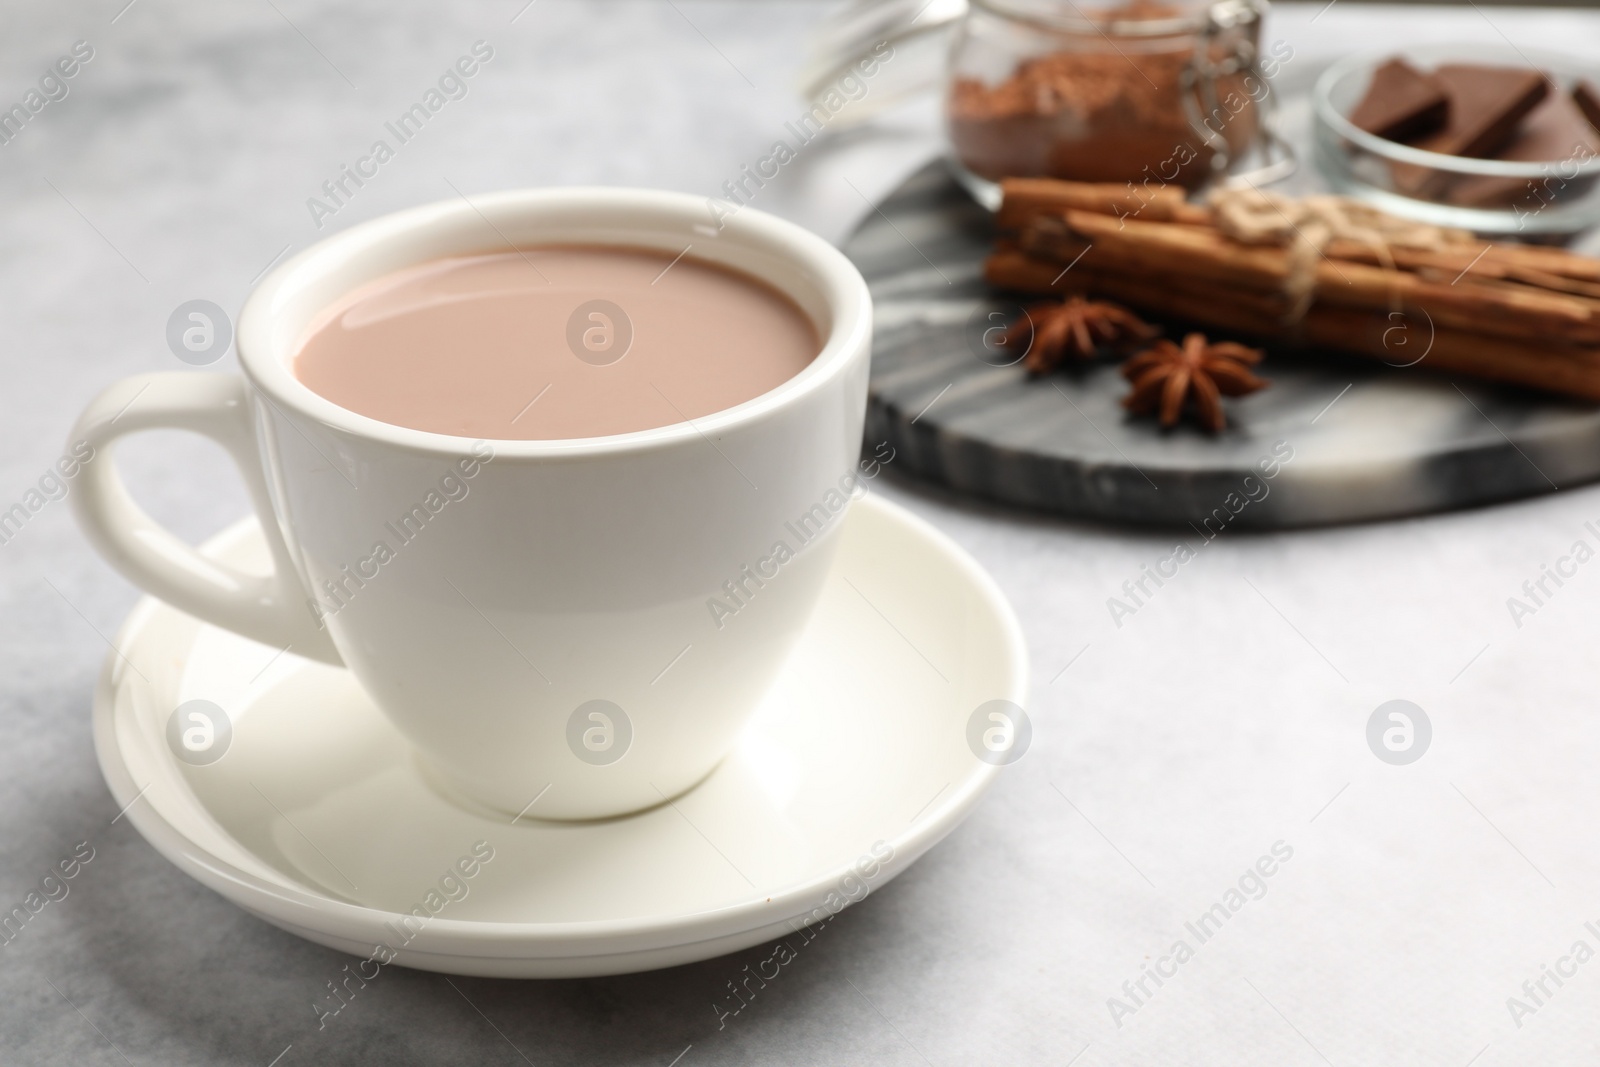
(1394, 442)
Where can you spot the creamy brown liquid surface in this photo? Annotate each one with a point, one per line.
(556, 342)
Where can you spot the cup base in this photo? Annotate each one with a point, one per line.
(479, 803)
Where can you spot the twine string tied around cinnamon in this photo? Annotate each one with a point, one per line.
(1306, 226)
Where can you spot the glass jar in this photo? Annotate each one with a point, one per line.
(1163, 91)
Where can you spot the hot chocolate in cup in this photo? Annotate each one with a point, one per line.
(564, 627)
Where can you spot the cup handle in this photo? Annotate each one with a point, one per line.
(270, 609)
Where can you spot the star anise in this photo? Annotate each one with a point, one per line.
(1165, 375)
(1077, 329)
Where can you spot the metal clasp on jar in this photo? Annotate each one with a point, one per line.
(1230, 28)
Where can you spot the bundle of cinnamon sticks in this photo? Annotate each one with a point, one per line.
(1518, 314)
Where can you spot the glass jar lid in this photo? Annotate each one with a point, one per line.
(1128, 18)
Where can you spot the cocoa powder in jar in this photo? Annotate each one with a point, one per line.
(1097, 114)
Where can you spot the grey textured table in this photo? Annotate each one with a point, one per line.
(1174, 746)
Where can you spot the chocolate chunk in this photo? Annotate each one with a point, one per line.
(1486, 103)
(1554, 132)
(1587, 97)
(1401, 103)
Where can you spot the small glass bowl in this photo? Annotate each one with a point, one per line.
(1485, 195)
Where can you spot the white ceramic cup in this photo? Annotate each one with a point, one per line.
(524, 580)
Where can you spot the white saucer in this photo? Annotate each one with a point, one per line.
(317, 817)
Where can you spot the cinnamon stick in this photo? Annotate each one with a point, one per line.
(1484, 261)
(1155, 245)
(1553, 260)
(1015, 271)
(1523, 315)
(1027, 198)
(1351, 284)
(1565, 369)
(1486, 309)
(1555, 369)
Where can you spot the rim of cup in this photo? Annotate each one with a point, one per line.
(791, 259)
